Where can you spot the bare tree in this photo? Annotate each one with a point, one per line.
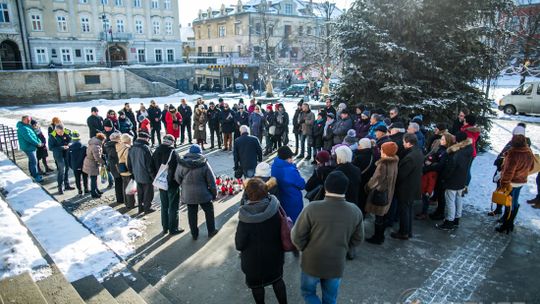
(528, 36)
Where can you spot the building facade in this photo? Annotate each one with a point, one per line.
(81, 33)
(13, 44)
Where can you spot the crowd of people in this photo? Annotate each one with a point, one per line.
(366, 161)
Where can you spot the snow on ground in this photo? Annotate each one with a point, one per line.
(75, 251)
(117, 230)
(18, 252)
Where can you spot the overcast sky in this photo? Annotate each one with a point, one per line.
(190, 8)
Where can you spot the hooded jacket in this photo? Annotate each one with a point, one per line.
(517, 164)
(140, 162)
(28, 140)
(94, 157)
(196, 178)
(473, 132)
(112, 157)
(76, 155)
(290, 185)
(454, 175)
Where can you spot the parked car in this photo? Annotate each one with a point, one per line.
(217, 87)
(239, 87)
(295, 90)
(524, 99)
(203, 87)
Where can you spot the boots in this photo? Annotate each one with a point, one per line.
(378, 236)
(504, 216)
(534, 201)
(497, 211)
(446, 225)
(508, 225)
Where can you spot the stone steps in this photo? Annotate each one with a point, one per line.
(56, 289)
(93, 292)
(21, 289)
(121, 291)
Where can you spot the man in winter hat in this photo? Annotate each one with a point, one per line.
(247, 152)
(139, 158)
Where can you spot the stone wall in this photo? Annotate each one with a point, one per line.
(18, 87)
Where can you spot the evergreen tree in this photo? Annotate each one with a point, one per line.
(423, 56)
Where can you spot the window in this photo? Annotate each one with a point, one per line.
(168, 28)
(222, 49)
(257, 28)
(210, 51)
(137, 3)
(239, 50)
(66, 56)
(85, 25)
(208, 30)
(141, 55)
(89, 55)
(36, 22)
(155, 27)
(222, 31)
(167, 4)
(170, 55)
(92, 79)
(287, 31)
(288, 9)
(155, 4)
(300, 30)
(61, 23)
(270, 30)
(158, 54)
(308, 30)
(237, 28)
(119, 2)
(41, 56)
(104, 1)
(106, 24)
(120, 25)
(4, 13)
(139, 27)
(78, 53)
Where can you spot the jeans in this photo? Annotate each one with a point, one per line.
(145, 195)
(454, 204)
(217, 134)
(93, 185)
(538, 186)
(156, 130)
(296, 142)
(170, 200)
(515, 197)
(32, 163)
(303, 144)
(186, 125)
(208, 209)
(405, 218)
(78, 174)
(329, 289)
(62, 174)
(469, 176)
(249, 173)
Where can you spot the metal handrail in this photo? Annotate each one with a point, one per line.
(9, 142)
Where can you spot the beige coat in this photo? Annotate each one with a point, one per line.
(93, 159)
(122, 150)
(384, 179)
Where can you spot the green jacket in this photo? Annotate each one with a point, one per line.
(28, 140)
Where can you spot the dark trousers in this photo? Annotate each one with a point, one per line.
(156, 130)
(93, 185)
(296, 142)
(78, 174)
(392, 216)
(186, 125)
(279, 290)
(405, 217)
(62, 174)
(217, 134)
(145, 195)
(170, 200)
(129, 200)
(269, 143)
(119, 190)
(538, 186)
(208, 209)
(441, 201)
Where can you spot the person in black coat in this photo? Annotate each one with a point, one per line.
(408, 185)
(213, 124)
(59, 141)
(241, 118)
(343, 160)
(258, 238)
(364, 158)
(170, 198)
(164, 115)
(320, 172)
(154, 115)
(328, 108)
(95, 123)
(247, 152)
(186, 113)
(76, 155)
(297, 127)
(397, 130)
(41, 152)
(109, 150)
(318, 130)
(226, 119)
(459, 122)
(131, 116)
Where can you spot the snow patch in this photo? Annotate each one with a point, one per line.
(75, 251)
(18, 252)
(117, 230)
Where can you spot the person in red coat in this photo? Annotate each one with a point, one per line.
(473, 132)
(173, 120)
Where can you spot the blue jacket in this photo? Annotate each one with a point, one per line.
(290, 185)
(76, 155)
(57, 143)
(125, 125)
(421, 140)
(28, 139)
(371, 133)
(256, 124)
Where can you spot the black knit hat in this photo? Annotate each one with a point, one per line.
(336, 182)
(461, 136)
(108, 123)
(144, 134)
(284, 152)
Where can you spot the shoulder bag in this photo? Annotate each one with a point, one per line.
(286, 227)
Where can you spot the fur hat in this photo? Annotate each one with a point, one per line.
(365, 143)
(461, 136)
(389, 148)
(262, 170)
(336, 182)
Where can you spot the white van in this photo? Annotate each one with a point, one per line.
(524, 99)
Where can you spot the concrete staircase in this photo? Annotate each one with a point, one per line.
(153, 78)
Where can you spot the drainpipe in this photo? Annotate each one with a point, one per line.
(24, 35)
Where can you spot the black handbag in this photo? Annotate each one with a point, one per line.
(315, 194)
(122, 168)
(238, 173)
(379, 198)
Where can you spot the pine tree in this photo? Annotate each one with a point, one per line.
(423, 56)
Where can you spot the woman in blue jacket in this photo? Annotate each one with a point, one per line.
(290, 183)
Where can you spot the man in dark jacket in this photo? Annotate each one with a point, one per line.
(344, 157)
(460, 121)
(247, 152)
(95, 123)
(213, 124)
(186, 113)
(59, 141)
(408, 185)
(269, 128)
(328, 108)
(76, 155)
(282, 126)
(342, 125)
(226, 119)
(381, 135)
(154, 115)
(139, 164)
(241, 118)
(109, 150)
(170, 198)
(131, 116)
(297, 128)
(397, 130)
(394, 116)
(454, 178)
(325, 231)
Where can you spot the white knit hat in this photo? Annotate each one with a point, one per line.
(262, 170)
(519, 130)
(365, 143)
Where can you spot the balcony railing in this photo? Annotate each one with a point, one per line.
(115, 36)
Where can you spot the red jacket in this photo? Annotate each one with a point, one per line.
(473, 132)
(173, 125)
